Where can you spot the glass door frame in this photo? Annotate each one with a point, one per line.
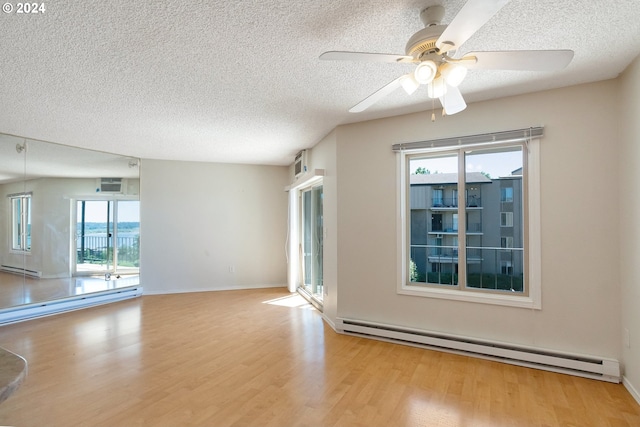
(311, 238)
(112, 236)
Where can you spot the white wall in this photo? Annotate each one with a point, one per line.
(629, 151)
(200, 219)
(580, 252)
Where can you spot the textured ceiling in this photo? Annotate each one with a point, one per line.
(240, 81)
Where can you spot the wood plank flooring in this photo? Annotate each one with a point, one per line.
(265, 358)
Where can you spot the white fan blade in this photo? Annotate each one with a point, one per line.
(473, 15)
(365, 56)
(376, 96)
(523, 60)
(452, 101)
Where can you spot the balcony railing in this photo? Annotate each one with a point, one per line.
(472, 227)
(452, 202)
(97, 250)
(487, 267)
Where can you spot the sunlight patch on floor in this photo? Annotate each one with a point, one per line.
(293, 301)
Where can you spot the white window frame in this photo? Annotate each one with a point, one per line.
(20, 227)
(506, 242)
(506, 219)
(531, 175)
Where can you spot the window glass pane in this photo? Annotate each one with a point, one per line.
(16, 231)
(21, 223)
(317, 241)
(506, 194)
(306, 236)
(495, 226)
(312, 240)
(433, 221)
(26, 201)
(127, 242)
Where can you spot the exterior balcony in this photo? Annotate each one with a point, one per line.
(452, 229)
(449, 257)
(451, 203)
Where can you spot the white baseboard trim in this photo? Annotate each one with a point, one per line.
(48, 308)
(330, 322)
(631, 389)
(220, 288)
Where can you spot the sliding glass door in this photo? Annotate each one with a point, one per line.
(127, 237)
(107, 236)
(312, 240)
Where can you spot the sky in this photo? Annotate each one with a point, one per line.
(496, 164)
(96, 211)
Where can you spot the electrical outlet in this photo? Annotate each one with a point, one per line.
(627, 338)
(232, 269)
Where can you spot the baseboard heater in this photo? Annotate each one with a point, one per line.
(20, 270)
(580, 365)
(31, 311)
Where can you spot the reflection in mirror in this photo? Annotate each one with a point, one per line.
(69, 223)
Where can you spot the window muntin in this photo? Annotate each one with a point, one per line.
(492, 259)
(21, 223)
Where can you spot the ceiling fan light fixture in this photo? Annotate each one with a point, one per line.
(409, 83)
(437, 88)
(425, 72)
(453, 74)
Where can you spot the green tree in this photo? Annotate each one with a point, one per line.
(413, 271)
(422, 171)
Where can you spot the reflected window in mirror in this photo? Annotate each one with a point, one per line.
(21, 222)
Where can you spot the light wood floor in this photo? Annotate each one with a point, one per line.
(233, 359)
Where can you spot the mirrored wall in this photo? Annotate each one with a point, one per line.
(69, 222)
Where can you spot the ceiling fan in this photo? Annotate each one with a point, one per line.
(439, 67)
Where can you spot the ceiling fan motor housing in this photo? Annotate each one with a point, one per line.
(424, 41)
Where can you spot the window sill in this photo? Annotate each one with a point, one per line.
(19, 252)
(518, 301)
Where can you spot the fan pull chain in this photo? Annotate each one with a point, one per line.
(433, 110)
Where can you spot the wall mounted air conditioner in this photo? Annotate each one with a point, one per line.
(300, 163)
(110, 185)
